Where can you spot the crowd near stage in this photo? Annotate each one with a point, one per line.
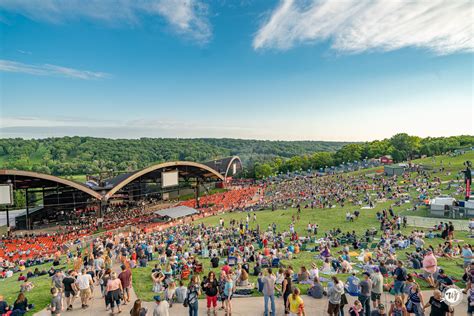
(183, 237)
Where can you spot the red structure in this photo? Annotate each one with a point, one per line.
(387, 159)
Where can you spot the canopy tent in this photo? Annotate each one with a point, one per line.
(177, 212)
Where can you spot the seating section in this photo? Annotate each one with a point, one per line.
(225, 201)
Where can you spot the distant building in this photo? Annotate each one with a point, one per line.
(386, 160)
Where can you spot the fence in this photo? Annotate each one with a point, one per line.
(428, 222)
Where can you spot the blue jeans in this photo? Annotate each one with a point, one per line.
(365, 301)
(272, 302)
(193, 309)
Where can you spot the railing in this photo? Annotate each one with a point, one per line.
(428, 222)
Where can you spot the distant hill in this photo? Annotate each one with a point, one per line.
(87, 155)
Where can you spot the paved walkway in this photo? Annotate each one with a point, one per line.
(241, 306)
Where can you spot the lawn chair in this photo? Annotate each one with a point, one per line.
(231, 261)
(265, 263)
(198, 268)
(185, 274)
(276, 263)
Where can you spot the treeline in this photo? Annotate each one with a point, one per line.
(68, 156)
(401, 147)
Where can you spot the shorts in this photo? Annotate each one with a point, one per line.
(69, 293)
(398, 287)
(333, 308)
(226, 297)
(375, 296)
(427, 274)
(85, 293)
(211, 300)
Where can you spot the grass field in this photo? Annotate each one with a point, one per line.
(39, 295)
(335, 218)
(326, 219)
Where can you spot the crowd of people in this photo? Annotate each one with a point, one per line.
(247, 257)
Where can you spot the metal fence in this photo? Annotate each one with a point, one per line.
(428, 222)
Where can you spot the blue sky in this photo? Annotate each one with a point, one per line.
(291, 70)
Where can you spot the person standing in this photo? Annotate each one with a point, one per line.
(415, 302)
(397, 308)
(56, 305)
(466, 255)
(126, 278)
(430, 267)
(194, 291)
(228, 293)
(161, 308)
(296, 303)
(211, 289)
(113, 292)
(84, 282)
(438, 306)
(286, 290)
(365, 290)
(334, 296)
(400, 274)
(137, 309)
(377, 287)
(269, 291)
(70, 289)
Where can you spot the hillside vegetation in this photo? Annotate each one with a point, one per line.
(69, 156)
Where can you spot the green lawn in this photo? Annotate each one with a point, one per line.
(327, 219)
(39, 295)
(334, 218)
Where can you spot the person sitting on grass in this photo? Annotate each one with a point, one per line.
(317, 290)
(303, 276)
(4, 307)
(352, 285)
(443, 281)
(21, 306)
(243, 279)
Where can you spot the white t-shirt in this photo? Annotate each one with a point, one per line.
(84, 281)
(162, 309)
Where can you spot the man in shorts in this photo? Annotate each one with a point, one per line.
(84, 282)
(70, 289)
(126, 278)
(400, 275)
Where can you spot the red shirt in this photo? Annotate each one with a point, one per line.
(125, 277)
(226, 269)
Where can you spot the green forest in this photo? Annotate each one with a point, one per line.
(68, 156)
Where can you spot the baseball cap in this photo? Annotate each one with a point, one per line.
(157, 298)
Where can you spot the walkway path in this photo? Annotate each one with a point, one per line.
(241, 306)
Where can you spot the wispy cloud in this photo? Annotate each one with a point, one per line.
(186, 17)
(50, 70)
(25, 52)
(32, 126)
(442, 26)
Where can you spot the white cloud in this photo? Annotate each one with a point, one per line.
(50, 70)
(186, 17)
(442, 26)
